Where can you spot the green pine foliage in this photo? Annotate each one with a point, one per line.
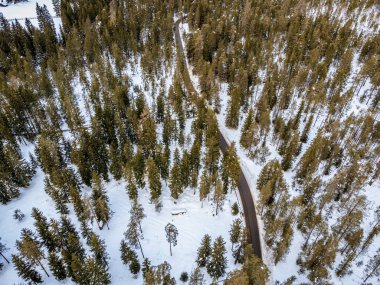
(217, 266)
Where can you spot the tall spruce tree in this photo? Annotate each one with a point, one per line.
(217, 266)
(204, 251)
(25, 270)
(100, 202)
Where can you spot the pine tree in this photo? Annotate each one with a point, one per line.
(235, 209)
(232, 118)
(290, 152)
(204, 251)
(212, 145)
(56, 266)
(205, 186)
(254, 267)
(160, 113)
(146, 267)
(134, 235)
(159, 275)
(57, 7)
(154, 181)
(131, 183)
(25, 270)
(171, 235)
(318, 257)
(271, 184)
(235, 231)
(373, 267)
(196, 277)
(233, 166)
(310, 160)
(100, 201)
(134, 267)
(147, 133)
(218, 196)
(59, 197)
(15, 171)
(128, 256)
(195, 153)
(225, 172)
(216, 268)
(98, 249)
(78, 270)
(95, 272)
(185, 169)
(30, 248)
(246, 137)
(138, 164)
(115, 158)
(282, 246)
(137, 213)
(167, 128)
(249, 133)
(175, 183)
(43, 230)
(237, 277)
(305, 132)
(73, 253)
(239, 251)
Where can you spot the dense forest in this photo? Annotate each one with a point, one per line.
(295, 85)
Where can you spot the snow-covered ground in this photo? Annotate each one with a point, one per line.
(23, 10)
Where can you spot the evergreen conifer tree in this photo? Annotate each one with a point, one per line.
(196, 277)
(100, 201)
(171, 235)
(25, 270)
(204, 251)
(216, 268)
(154, 181)
(175, 183)
(128, 256)
(56, 266)
(30, 248)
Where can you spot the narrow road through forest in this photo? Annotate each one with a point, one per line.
(244, 190)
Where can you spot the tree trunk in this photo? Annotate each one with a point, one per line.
(308, 237)
(43, 268)
(4, 258)
(93, 213)
(140, 227)
(371, 273)
(142, 253)
(170, 245)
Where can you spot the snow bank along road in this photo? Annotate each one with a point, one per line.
(245, 192)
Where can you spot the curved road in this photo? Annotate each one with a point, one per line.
(244, 190)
